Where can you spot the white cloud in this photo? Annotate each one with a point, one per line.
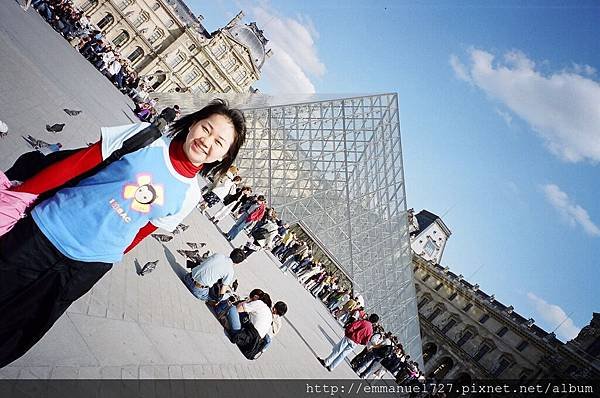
(295, 55)
(562, 107)
(554, 315)
(571, 212)
(504, 115)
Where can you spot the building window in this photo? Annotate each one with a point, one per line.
(190, 77)
(179, 58)
(106, 21)
(465, 337)
(170, 23)
(434, 314)
(522, 346)
(136, 54)
(426, 278)
(124, 4)
(205, 86)
(219, 50)
(121, 39)
(452, 296)
(484, 349)
(448, 326)
(484, 318)
(438, 287)
(143, 17)
(89, 5)
(157, 34)
(502, 365)
(239, 76)
(228, 63)
(423, 302)
(502, 331)
(155, 6)
(468, 307)
(430, 247)
(192, 47)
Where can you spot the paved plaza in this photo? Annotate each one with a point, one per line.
(129, 326)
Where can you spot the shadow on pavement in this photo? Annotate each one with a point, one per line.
(138, 267)
(178, 269)
(301, 337)
(327, 336)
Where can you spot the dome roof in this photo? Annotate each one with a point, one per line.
(251, 37)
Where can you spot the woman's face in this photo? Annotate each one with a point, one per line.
(209, 140)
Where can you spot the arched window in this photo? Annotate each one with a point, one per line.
(179, 58)
(170, 23)
(219, 50)
(136, 54)
(121, 38)
(160, 78)
(191, 46)
(156, 35)
(106, 21)
(141, 18)
(155, 6)
(205, 86)
(239, 76)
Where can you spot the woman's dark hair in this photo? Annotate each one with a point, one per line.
(255, 292)
(181, 128)
(265, 298)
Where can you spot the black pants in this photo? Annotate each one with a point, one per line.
(37, 285)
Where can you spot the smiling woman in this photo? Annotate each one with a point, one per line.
(52, 258)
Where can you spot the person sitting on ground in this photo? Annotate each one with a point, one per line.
(279, 310)
(207, 273)
(247, 321)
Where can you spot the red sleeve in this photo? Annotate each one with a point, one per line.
(61, 172)
(142, 233)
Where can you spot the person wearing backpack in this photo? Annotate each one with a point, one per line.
(71, 240)
(357, 333)
(263, 236)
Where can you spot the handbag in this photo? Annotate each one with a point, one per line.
(14, 205)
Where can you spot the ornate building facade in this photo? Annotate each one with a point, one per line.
(468, 334)
(165, 40)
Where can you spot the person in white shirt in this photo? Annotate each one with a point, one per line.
(279, 310)
(257, 309)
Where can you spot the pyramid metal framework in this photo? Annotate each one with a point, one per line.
(335, 167)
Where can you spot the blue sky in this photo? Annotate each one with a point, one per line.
(500, 115)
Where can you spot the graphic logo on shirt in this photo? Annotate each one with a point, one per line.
(144, 194)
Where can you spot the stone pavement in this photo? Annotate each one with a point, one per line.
(129, 326)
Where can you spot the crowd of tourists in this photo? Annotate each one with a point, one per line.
(91, 42)
(382, 352)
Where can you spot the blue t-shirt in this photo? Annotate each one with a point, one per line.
(98, 219)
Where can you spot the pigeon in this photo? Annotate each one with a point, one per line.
(55, 128)
(193, 255)
(71, 112)
(162, 238)
(206, 255)
(35, 143)
(180, 228)
(195, 245)
(148, 267)
(3, 129)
